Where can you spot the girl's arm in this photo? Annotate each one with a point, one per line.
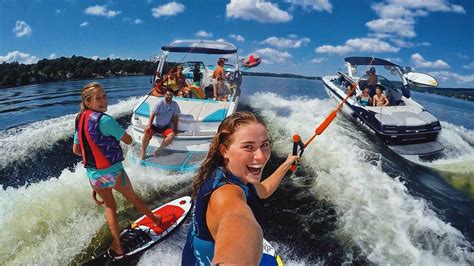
(266, 188)
(126, 138)
(238, 237)
(76, 149)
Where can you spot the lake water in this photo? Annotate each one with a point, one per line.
(352, 200)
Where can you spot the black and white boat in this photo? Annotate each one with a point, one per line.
(404, 125)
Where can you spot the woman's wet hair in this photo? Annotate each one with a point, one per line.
(214, 158)
(87, 93)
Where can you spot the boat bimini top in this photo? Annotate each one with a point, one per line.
(200, 47)
(407, 74)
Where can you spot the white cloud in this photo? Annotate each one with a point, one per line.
(58, 11)
(101, 11)
(83, 24)
(137, 21)
(271, 56)
(451, 76)
(318, 60)
(259, 10)
(237, 37)
(22, 29)
(432, 5)
(358, 44)
(419, 61)
(285, 43)
(52, 56)
(400, 27)
(396, 11)
(17, 56)
(318, 5)
(408, 44)
(397, 17)
(220, 40)
(203, 34)
(469, 66)
(95, 57)
(170, 9)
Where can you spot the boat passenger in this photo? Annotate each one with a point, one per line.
(197, 75)
(221, 92)
(379, 98)
(187, 89)
(228, 215)
(96, 139)
(159, 89)
(372, 80)
(364, 98)
(171, 81)
(163, 120)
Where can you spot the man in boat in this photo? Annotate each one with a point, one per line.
(163, 120)
(371, 81)
(220, 91)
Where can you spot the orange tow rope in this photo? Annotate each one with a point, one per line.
(298, 144)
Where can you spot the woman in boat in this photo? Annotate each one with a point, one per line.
(228, 216)
(96, 139)
(364, 98)
(379, 98)
(172, 81)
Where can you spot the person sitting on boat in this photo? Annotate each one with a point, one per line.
(379, 98)
(163, 120)
(197, 75)
(372, 80)
(159, 89)
(186, 88)
(364, 98)
(221, 92)
(171, 81)
(97, 139)
(228, 215)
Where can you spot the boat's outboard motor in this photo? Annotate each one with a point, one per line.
(406, 91)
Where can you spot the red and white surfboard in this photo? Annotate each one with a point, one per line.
(143, 233)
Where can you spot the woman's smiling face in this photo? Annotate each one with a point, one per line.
(248, 152)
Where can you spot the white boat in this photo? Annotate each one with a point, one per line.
(404, 125)
(199, 118)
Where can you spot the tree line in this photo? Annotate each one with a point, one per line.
(75, 67)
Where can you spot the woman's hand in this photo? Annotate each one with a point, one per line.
(291, 159)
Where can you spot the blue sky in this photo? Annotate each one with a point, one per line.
(308, 37)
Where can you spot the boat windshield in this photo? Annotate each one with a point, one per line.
(384, 82)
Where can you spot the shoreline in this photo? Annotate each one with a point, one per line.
(466, 94)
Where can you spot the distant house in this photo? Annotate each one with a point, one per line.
(69, 75)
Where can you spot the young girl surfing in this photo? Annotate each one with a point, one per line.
(96, 139)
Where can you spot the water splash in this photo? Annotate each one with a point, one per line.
(375, 211)
(24, 142)
(53, 221)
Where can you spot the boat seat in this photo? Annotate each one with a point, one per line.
(193, 111)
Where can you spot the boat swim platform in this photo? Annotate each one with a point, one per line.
(170, 159)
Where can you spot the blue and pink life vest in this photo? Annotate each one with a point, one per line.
(98, 151)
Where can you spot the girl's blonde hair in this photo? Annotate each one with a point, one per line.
(214, 158)
(87, 93)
